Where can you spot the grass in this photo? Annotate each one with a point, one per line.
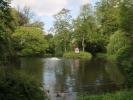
(122, 95)
(81, 55)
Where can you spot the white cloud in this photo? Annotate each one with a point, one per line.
(43, 7)
(21, 3)
(85, 1)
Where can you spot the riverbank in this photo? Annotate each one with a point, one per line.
(121, 95)
(81, 55)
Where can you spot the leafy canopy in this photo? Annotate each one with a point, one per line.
(29, 41)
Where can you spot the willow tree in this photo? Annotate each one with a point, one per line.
(121, 41)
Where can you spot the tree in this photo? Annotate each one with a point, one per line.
(24, 16)
(107, 14)
(62, 25)
(117, 41)
(29, 41)
(84, 24)
(51, 47)
(38, 24)
(7, 26)
(126, 16)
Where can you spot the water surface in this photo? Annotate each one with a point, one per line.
(71, 77)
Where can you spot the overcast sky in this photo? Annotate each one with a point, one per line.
(45, 9)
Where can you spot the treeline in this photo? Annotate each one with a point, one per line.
(105, 31)
(106, 28)
(20, 34)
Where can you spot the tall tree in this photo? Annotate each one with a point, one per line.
(84, 24)
(62, 25)
(24, 16)
(107, 12)
(7, 26)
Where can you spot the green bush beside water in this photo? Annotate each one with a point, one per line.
(123, 95)
(18, 86)
(82, 55)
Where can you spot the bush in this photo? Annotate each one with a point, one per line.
(18, 86)
(125, 59)
(120, 49)
(123, 95)
(82, 55)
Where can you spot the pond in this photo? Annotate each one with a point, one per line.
(72, 77)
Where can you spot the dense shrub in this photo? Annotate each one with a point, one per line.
(125, 59)
(82, 55)
(18, 86)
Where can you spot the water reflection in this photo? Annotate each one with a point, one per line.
(33, 67)
(75, 76)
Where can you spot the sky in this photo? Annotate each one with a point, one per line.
(45, 9)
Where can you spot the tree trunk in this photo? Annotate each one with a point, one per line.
(83, 44)
(65, 49)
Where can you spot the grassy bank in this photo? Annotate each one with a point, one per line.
(15, 85)
(81, 55)
(122, 95)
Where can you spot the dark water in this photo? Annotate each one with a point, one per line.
(70, 78)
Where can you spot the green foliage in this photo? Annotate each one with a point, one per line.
(38, 24)
(18, 86)
(56, 45)
(126, 16)
(122, 95)
(84, 25)
(107, 14)
(51, 49)
(118, 42)
(81, 55)
(63, 27)
(120, 45)
(86, 31)
(24, 16)
(29, 41)
(7, 26)
(96, 43)
(125, 59)
(128, 69)
(120, 49)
